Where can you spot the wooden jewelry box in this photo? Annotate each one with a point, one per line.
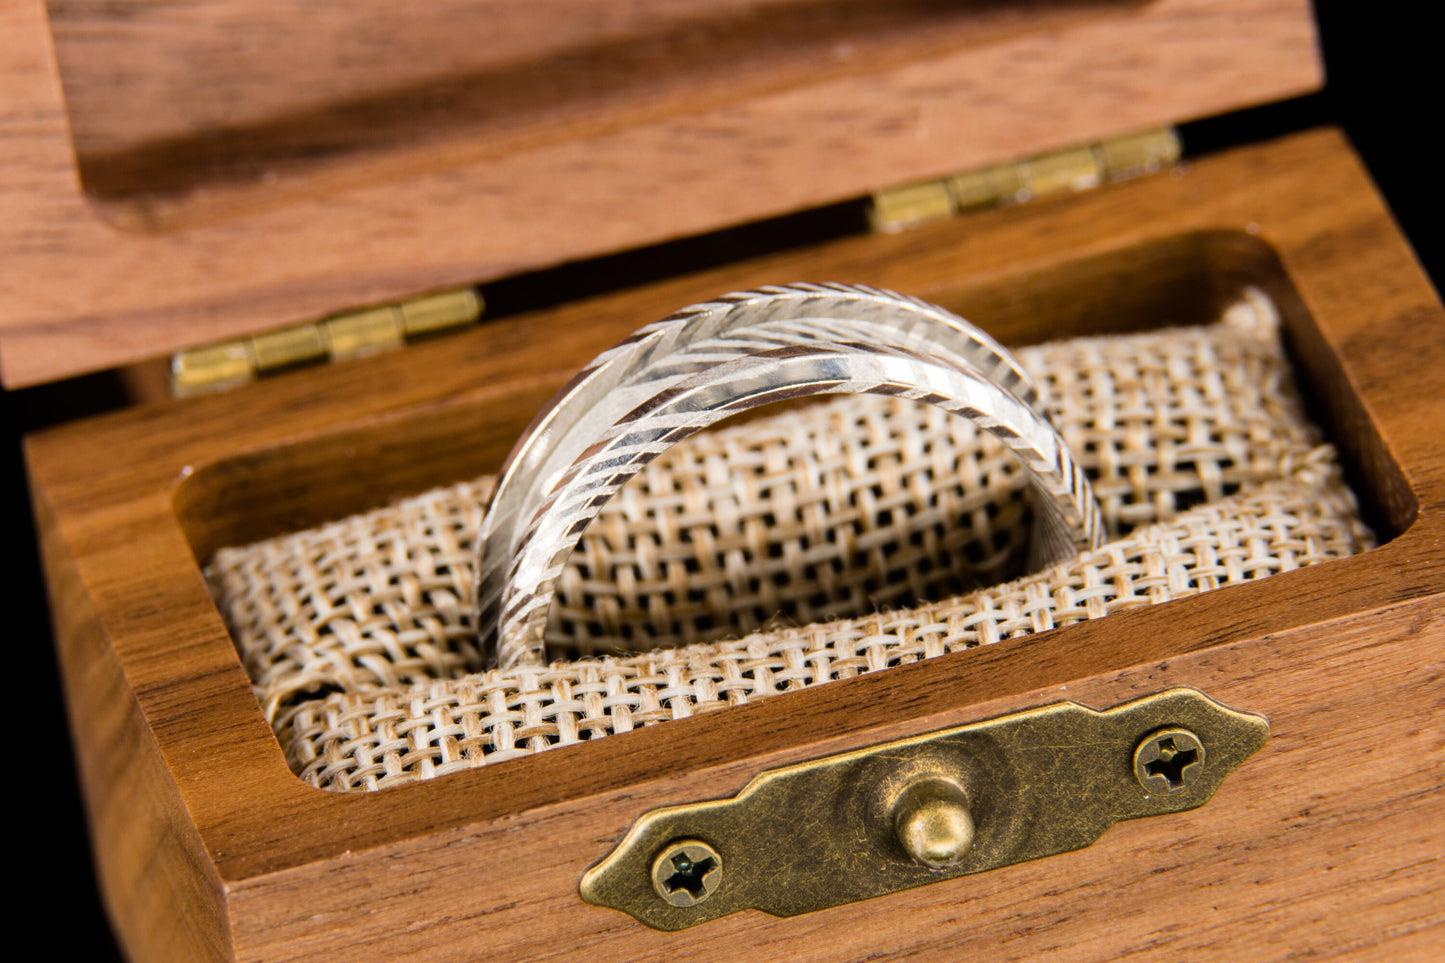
(262, 178)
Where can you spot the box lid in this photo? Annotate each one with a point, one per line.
(174, 174)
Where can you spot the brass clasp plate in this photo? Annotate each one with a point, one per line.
(948, 804)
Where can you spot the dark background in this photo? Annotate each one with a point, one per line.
(1383, 88)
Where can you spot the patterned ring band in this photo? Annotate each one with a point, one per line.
(714, 360)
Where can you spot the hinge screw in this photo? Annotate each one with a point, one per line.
(686, 872)
(1169, 761)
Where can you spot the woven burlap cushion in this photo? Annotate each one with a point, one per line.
(357, 634)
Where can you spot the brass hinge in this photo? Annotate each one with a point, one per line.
(349, 335)
(1046, 175)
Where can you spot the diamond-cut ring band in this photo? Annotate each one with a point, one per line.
(713, 360)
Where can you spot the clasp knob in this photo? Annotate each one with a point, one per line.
(933, 824)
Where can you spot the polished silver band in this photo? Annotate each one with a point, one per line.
(713, 360)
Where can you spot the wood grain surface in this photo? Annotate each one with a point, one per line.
(1327, 843)
(174, 174)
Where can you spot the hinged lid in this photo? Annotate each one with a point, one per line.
(221, 167)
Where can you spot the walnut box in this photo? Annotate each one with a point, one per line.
(259, 175)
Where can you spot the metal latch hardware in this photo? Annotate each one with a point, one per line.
(349, 335)
(1045, 175)
(935, 807)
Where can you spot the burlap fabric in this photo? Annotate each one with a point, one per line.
(789, 551)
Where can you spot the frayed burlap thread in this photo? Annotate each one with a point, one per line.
(840, 509)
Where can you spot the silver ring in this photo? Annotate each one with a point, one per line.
(713, 360)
